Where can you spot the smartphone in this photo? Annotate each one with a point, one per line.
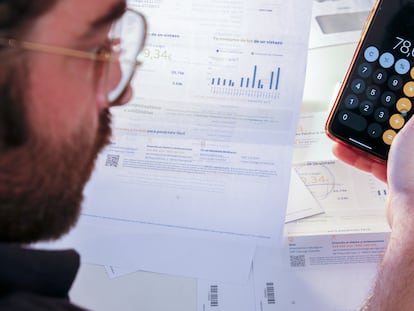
(377, 94)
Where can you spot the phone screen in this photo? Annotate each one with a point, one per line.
(376, 97)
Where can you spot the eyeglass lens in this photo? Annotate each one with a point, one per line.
(128, 36)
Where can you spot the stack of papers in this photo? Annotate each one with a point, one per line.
(196, 180)
(197, 174)
(327, 261)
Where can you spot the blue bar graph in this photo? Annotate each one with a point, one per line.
(254, 76)
(272, 76)
(252, 82)
(277, 78)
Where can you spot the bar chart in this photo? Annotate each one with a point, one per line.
(258, 83)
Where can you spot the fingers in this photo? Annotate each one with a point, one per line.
(361, 161)
(404, 141)
(401, 160)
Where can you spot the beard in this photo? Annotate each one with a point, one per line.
(41, 186)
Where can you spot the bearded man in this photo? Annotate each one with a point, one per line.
(63, 64)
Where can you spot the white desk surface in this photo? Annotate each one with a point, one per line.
(154, 292)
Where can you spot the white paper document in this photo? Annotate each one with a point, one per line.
(311, 142)
(338, 21)
(198, 170)
(218, 296)
(353, 201)
(286, 282)
(301, 203)
(116, 272)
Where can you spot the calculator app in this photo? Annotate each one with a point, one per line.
(376, 99)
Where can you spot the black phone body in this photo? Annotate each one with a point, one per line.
(377, 95)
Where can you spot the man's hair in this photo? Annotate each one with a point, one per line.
(16, 17)
(15, 14)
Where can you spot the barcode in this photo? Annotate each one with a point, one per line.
(270, 293)
(213, 296)
(112, 160)
(297, 261)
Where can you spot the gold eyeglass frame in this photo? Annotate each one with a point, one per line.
(104, 55)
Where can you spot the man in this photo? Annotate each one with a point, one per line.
(57, 80)
(394, 288)
(59, 75)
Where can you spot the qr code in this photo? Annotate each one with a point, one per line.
(112, 160)
(297, 261)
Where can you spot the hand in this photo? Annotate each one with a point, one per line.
(361, 161)
(401, 177)
(399, 174)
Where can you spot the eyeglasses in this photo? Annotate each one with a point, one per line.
(126, 40)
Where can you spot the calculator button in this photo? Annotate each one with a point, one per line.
(404, 105)
(351, 101)
(412, 73)
(373, 92)
(387, 60)
(381, 114)
(366, 108)
(409, 89)
(371, 54)
(397, 121)
(353, 120)
(374, 130)
(364, 70)
(388, 99)
(380, 76)
(395, 83)
(402, 66)
(358, 86)
(388, 136)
